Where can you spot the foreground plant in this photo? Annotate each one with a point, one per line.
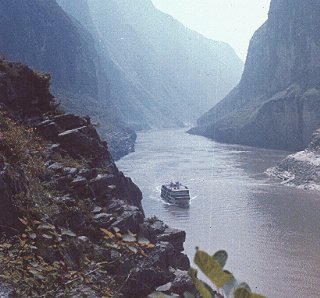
(224, 281)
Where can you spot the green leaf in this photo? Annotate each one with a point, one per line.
(212, 269)
(201, 286)
(242, 291)
(221, 257)
(229, 287)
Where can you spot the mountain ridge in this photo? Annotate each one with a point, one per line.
(143, 55)
(276, 103)
(42, 35)
(125, 74)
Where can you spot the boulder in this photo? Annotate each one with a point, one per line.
(129, 220)
(57, 167)
(99, 184)
(78, 182)
(69, 121)
(47, 130)
(182, 283)
(84, 142)
(128, 191)
(103, 220)
(144, 280)
(88, 173)
(182, 262)
(174, 236)
(151, 228)
(70, 171)
(151, 272)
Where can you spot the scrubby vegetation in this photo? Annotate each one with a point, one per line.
(71, 224)
(29, 275)
(24, 153)
(40, 259)
(19, 145)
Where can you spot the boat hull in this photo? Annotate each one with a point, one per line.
(178, 198)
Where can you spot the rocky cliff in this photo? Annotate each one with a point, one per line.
(301, 169)
(276, 104)
(42, 35)
(70, 223)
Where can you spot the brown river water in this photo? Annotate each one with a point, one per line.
(270, 231)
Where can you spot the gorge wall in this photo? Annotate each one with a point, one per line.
(183, 72)
(71, 224)
(277, 102)
(42, 35)
(124, 63)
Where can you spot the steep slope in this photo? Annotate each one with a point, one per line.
(203, 70)
(277, 102)
(41, 34)
(67, 214)
(129, 101)
(178, 72)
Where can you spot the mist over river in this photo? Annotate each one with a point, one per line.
(270, 231)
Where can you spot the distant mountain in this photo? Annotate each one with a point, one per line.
(124, 63)
(178, 72)
(277, 102)
(42, 35)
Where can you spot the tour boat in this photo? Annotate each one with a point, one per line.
(176, 194)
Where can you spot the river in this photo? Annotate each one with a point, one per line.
(270, 231)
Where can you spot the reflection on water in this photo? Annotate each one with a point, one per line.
(271, 231)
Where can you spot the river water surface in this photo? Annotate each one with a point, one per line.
(270, 231)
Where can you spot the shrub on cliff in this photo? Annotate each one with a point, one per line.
(20, 146)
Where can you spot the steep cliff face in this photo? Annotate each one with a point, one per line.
(127, 101)
(276, 103)
(66, 210)
(42, 35)
(178, 73)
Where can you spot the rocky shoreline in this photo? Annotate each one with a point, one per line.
(75, 205)
(301, 169)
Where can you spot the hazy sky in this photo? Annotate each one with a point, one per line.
(232, 21)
